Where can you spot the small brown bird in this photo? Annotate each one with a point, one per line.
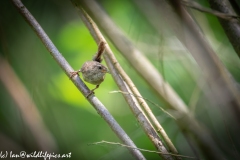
(93, 71)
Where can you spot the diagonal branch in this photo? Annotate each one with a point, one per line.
(100, 108)
(27, 107)
(224, 95)
(144, 150)
(231, 28)
(131, 100)
(186, 121)
(195, 5)
(91, 5)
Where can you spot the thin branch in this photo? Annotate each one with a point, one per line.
(148, 71)
(146, 100)
(188, 32)
(100, 108)
(136, 58)
(195, 5)
(27, 107)
(231, 28)
(111, 61)
(140, 149)
(151, 75)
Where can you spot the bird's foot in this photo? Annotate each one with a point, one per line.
(74, 73)
(91, 92)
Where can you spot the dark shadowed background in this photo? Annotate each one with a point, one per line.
(68, 117)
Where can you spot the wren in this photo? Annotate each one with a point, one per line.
(93, 71)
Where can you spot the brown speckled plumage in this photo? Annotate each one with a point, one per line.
(93, 72)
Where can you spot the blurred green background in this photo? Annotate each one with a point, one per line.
(68, 116)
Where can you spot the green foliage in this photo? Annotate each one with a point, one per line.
(66, 113)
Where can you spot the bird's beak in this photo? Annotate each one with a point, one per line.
(107, 71)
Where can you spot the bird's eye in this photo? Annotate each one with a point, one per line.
(99, 67)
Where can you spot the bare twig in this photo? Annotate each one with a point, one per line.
(187, 121)
(100, 108)
(195, 5)
(148, 71)
(146, 100)
(223, 94)
(136, 58)
(111, 61)
(27, 107)
(140, 149)
(231, 28)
